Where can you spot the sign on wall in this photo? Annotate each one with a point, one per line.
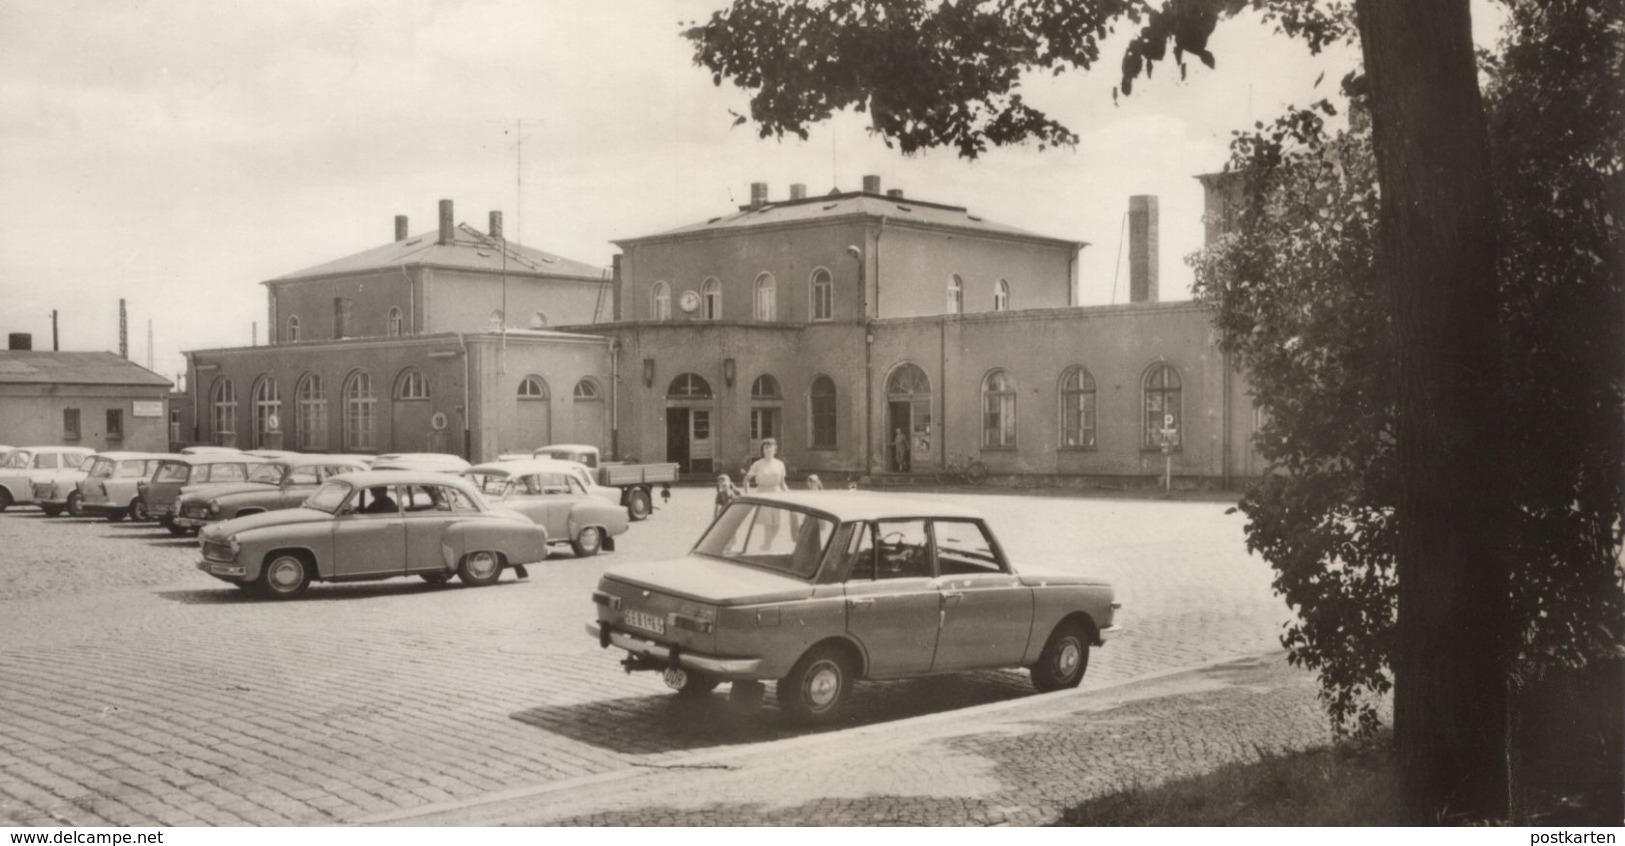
(148, 408)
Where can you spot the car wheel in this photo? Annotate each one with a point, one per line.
(689, 682)
(138, 511)
(114, 515)
(285, 575)
(479, 568)
(177, 531)
(818, 688)
(637, 505)
(51, 510)
(588, 542)
(76, 505)
(5, 499)
(1064, 659)
(435, 578)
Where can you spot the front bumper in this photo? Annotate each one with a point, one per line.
(192, 522)
(730, 669)
(230, 571)
(1106, 634)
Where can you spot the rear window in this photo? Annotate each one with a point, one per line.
(225, 473)
(133, 468)
(175, 472)
(101, 468)
(73, 459)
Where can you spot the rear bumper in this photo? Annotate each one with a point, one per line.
(1107, 634)
(722, 668)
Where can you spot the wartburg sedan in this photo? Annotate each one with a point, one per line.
(283, 483)
(548, 493)
(816, 590)
(375, 524)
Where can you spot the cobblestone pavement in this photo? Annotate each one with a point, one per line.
(136, 690)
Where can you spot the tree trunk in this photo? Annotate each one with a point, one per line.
(1437, 249)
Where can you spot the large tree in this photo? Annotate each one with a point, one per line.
(947, 73)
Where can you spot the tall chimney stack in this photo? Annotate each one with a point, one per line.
(758, 194)
(401, 231)
(123, 330)
(798, 191)
(871, 184)
(448, 225)
(20, 341)
(1142, 248)
(496, 225)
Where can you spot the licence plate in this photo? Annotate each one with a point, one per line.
(647, 622)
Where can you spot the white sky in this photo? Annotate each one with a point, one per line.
(178, 153)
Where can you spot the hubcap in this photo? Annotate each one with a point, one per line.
(589, 538)
(823, 686)
(676, 678)
(482, 564)
(1066, 662)
(286, 574)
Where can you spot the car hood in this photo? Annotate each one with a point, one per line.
(711, 581)
(286, 517)
(215, 491)
(1045, 576)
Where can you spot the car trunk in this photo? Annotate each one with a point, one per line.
(677, 602)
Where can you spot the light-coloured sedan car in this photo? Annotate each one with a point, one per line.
(282, 483)
(19, 468)
(815, 590)
(549, 493)
(439, 462)
(183, 474)
(376, 524)
(111, 486)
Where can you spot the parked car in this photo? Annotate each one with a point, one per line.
(110, 485)
(208, 449)
(270, 454)
(177, 475)
(580, 472)
(23, 463)
(431, 461)
(57, 491)
(281, 483)
(549, 493)
(818, 589)
(375, 524)
(634, 482)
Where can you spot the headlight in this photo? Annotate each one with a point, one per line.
(214, 508)
(235, 547)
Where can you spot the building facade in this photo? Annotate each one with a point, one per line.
(91, 399)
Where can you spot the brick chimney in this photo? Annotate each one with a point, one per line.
(871, 184)
(1142, 249)
(798, 191)
(894, 193)
(496, 225)
(448, 224)
(401, 231)
(19, 341)
(758, 194)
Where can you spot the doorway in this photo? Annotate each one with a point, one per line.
(688, 439)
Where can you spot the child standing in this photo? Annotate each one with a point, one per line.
(725, 493)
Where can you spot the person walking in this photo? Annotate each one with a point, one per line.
(767, 475)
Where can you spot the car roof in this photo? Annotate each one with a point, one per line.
(80, 450)
(847, 506)
(209, 449)
(298, 459)
(570, 447)
(524, 466)
(368, 478)
(126, 456)
(197, 458)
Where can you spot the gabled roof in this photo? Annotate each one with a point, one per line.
(38, 367)
(470, 249)
(850, 204)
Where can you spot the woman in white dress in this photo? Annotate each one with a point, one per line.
(767, 475)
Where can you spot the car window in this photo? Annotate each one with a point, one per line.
(176, 472)
(328, 497)
(270, 474)
(903, 550)
(73, 459)
(453, 500)
(101, 468)
(46, 461)
(227, 473)
(964, 548)
(20, 458)
(379, 499)
(552, 483)
(131, 468)
(769, 536)
(301, 475)
(860, 553)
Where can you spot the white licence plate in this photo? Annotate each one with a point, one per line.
(647, 622)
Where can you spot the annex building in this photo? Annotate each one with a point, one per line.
(91, 399)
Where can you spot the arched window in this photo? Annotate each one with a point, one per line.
(821, 398)
(411, 385)
(532, 388)
(293, 328)
(587, 389)
(998, 410)
(766, 297)
(1162, 407)
(956, 295)
(496, 319)
(267, 409)
(225, 407)
(1001, 296)
(711, 298)
(359, 412)
(312, 400)
(823, 295)
(689, 386)
(394, 323)
(1077, 409)
(538, 320)
(765, 388)
(660, 302)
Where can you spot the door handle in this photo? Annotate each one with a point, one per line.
(952, 596)
(856, 602)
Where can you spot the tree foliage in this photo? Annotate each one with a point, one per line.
(1297, 297)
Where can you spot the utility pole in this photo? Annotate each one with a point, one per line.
(54, 345)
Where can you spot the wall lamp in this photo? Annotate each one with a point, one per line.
(648, 373)
(729, 369)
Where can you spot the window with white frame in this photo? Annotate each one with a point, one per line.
(956, 295)
(1162, 407)
(711, 298)
(267, 409)
(660, 302)
(394, 323)
(1001, 296)
(1077, 409)
(587, 389)
(311, 397)
(823, 295)
(293, 328)
(360, 412)
(766, 297)
(998, 410)
(225, 407)
(412, 385)
(532, 388)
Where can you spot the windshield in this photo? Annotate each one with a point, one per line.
(769, 536)
(174, 472)
(270, 474)
(489, 484)
(328, 497)
(564, 455)
(18, 458)
(101, 468)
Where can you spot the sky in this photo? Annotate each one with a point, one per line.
(176, 153)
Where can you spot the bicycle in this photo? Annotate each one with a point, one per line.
(969, 471)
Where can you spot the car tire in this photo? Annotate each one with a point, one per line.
(76, 505)
(588, 541)
(638, 506)
(138, 511)
(51, 510)
(285, 575)
(435, 578)
(5, 499)
(818, 688)
(1064, 660)
(481, 568)
(692, 683)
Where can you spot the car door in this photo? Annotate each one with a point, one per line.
(986, 612)
(369, 534)
(892, 604)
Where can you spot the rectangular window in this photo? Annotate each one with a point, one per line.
(115, 422)
(70, 424)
